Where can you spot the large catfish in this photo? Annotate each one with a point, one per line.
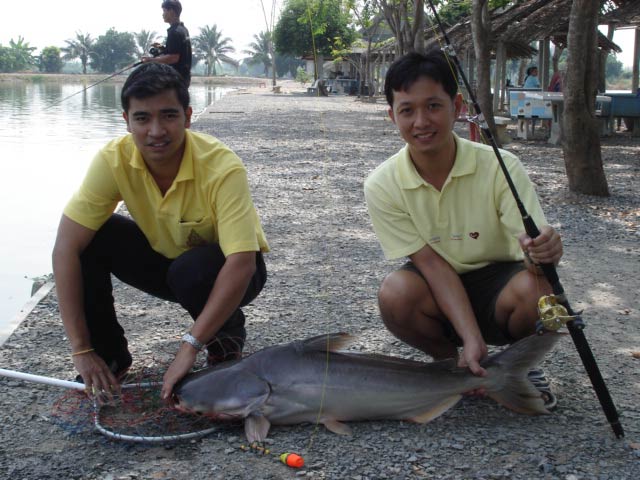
(315, 380)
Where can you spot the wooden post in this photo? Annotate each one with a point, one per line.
(636, 60)
(497, 75)
(544, 64)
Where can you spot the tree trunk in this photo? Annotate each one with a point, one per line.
(481, 31)
(582, 155)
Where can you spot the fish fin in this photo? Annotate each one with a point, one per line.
(436, 411)
(507, 373)
(338, 427)
(330, 342)
(256, 428)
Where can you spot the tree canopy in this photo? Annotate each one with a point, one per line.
(308, 25)
(113, 51)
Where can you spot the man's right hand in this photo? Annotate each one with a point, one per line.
(473, 352)
(98, 379)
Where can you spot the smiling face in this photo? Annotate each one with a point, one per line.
(424, 115)
(158, 125)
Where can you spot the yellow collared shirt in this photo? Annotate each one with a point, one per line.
(209, 200)
(471, 222)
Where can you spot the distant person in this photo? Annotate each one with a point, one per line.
(555, 84)
(531, 80)
(193, 236)
(177, 52)
(470, 275)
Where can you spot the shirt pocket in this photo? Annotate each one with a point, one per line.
(196, 233)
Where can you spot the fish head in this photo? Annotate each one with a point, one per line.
(221, 393)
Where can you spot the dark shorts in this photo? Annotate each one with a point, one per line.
(483, 287)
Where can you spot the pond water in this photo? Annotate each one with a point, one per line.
(46, 143)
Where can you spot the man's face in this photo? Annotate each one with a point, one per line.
(424, 115)
(158, 126)
(169, 15)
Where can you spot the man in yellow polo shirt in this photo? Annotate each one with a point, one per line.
(444, 203)
(193, 235)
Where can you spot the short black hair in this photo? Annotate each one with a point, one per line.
(150, 79)
(531, 69)
(173, 5)
(406, 70)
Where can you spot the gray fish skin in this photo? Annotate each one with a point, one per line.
(316, 381)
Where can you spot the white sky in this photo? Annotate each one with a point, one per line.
(44, 23)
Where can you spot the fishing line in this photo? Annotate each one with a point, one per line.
(93, 85)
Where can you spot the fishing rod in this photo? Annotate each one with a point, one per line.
(572, 319)
(133, 65)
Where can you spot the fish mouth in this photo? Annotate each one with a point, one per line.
(194, 410)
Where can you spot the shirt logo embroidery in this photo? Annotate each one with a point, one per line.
(195, 240)
(435, 239)
(456, 236)
(474, 235)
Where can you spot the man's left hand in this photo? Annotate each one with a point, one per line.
(545, 248)
(185, 359)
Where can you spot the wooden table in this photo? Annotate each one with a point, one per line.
(557, 107)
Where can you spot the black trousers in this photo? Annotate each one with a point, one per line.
(120, 248)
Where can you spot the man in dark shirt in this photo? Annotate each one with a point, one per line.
(177, 51)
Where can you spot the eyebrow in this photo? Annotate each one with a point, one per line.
(428, 99)
(162, 110)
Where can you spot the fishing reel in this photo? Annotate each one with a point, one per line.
(553, 315)
(157, 49)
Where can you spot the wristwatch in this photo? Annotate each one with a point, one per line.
(193, 341)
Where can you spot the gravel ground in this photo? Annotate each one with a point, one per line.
(307, 158)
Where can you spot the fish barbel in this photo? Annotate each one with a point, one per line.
(316, 380)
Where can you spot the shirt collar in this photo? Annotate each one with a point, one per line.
(464, 164)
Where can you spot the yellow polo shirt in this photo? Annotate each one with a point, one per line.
(209, 200)
(472, 222)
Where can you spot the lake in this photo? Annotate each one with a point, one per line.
(46, 146)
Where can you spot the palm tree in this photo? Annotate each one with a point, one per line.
(260, 51)
(212, 48)
(144, 40)
(21, 53)
(81, 47)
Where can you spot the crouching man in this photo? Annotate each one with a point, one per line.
(193, 237)
(471, 277)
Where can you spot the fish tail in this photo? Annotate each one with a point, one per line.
(508, 383)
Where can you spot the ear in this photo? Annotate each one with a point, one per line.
(188, 112)
(457, 104)
(126, 119)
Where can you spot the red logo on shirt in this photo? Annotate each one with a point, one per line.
(474, 235)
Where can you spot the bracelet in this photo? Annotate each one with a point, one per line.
(193, 341)
(83, 351)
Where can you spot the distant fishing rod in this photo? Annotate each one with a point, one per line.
(573, 320)
(94, 84)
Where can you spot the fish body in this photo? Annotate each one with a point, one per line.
(316, 380)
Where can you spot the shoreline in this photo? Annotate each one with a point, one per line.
(306, 159)
(93, 77)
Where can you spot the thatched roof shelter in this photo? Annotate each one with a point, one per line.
(518, 26)
(627, 15)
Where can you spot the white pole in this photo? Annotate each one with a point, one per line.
(40, 379)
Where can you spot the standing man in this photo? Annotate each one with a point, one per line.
(443, 202)
(194, 236)
(177, 51)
